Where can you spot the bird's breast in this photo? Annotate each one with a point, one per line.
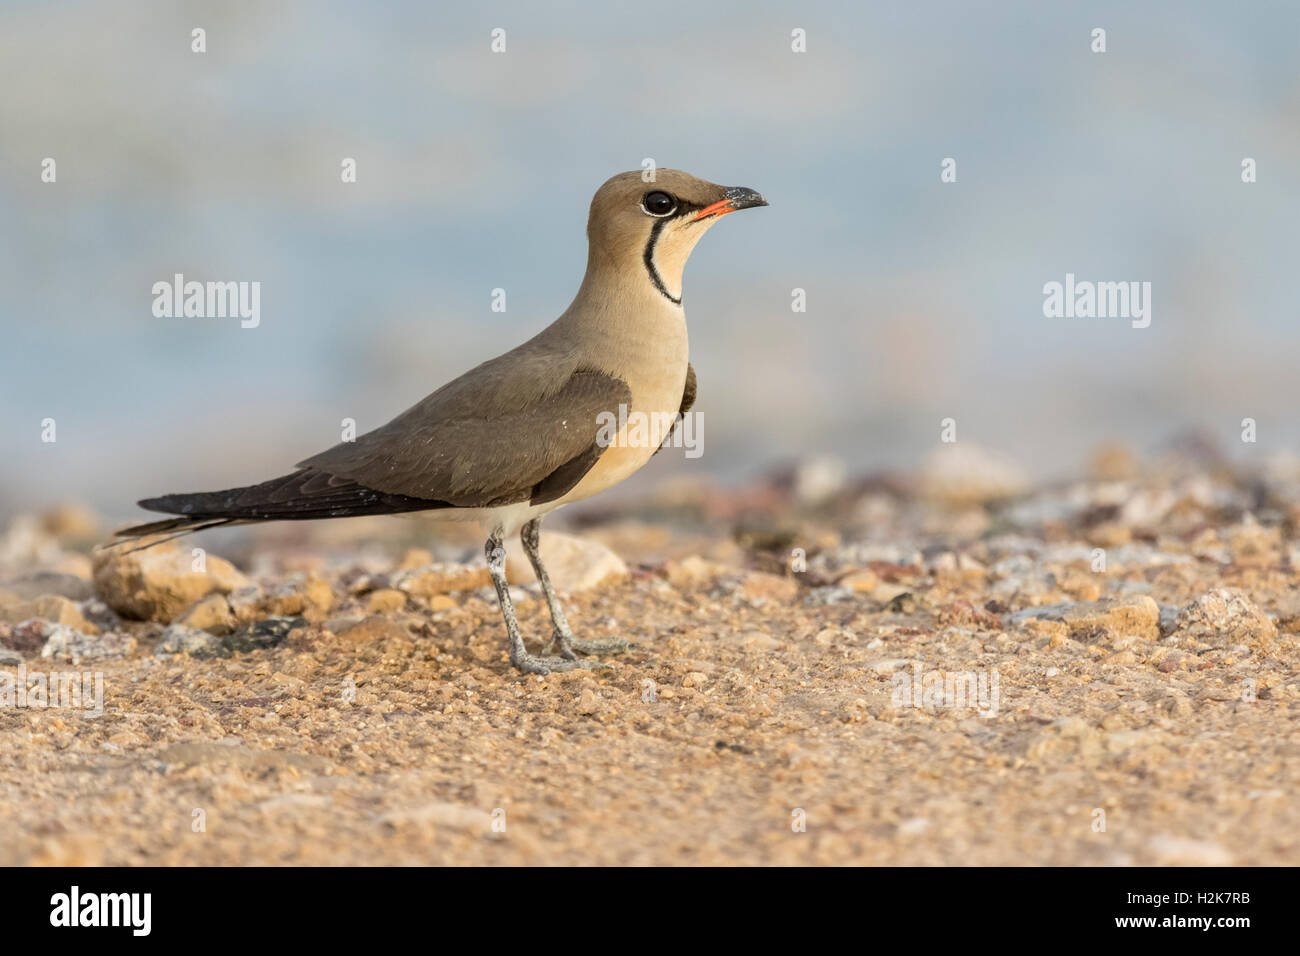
(655, 374)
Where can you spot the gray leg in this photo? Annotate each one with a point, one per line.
(529, 536)
(519, 656)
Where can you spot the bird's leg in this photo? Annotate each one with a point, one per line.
(519, 656)
(529, 536)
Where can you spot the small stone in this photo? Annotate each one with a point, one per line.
(962, 473)
(364, 583)
(1082, 587)
(887, 593)
(588, 702)
(887, 665)
(1253, 545)
(246, 603)
(1109, 534)
(826, 636)
(180, 639)
(441, 578)
(1136, 616)
(262, 635)
(904, 603)
(64, 642)
(48, 607)
(827, 596)
(1224, 617)
(855, 711)
(415, 558)
(1041, 627)
(308, 596)
(387, 601)
(818, 479)
(158, 583)
(1175, 661)
(374, 630)
(341, 622)
(863, 582)
(573, 564)
(757, 641)
(964, 614)
(25, 638)
(694, 572)
(943, 563)
(212, 614)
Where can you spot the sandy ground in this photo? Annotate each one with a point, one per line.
(764, 718)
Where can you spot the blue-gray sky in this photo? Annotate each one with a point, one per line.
(475, 170)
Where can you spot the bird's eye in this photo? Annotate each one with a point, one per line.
(658, 203)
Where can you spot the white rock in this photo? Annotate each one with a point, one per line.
(573, 563)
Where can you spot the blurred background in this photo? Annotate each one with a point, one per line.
(924, 299)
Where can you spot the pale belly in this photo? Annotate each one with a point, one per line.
(649, 422)
(613, 466)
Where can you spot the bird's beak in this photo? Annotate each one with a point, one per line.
(736, 197)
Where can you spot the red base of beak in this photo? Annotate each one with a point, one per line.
(719, 208)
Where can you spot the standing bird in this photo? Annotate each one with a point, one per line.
(524, 433)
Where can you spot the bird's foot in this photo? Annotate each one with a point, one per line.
(569, 644)
(531, 664)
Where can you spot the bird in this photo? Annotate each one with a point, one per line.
(527, 432)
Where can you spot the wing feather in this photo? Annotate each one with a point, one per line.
(485, 440)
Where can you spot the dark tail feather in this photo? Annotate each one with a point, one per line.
(302, 495)
(180, 527)
(161, 527)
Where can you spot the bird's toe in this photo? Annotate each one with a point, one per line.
(530, 664)
(608, 645)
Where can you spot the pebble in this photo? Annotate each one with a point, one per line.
(158, 583)
(180, 639)
(48, 607)
(574, 564)
(212, 613)
(441, 578)
(66, 643)
(387, 601)
(694, 572)
(1137, 616)
(1224, 617)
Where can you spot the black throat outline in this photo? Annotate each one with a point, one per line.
(649, 258)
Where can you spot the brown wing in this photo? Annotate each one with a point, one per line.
(688, 394)
(518, 428)
(688, 399)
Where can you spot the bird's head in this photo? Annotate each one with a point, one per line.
(653, 226)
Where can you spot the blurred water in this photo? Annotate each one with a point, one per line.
(475, 170)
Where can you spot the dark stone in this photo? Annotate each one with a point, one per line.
(261, 635)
